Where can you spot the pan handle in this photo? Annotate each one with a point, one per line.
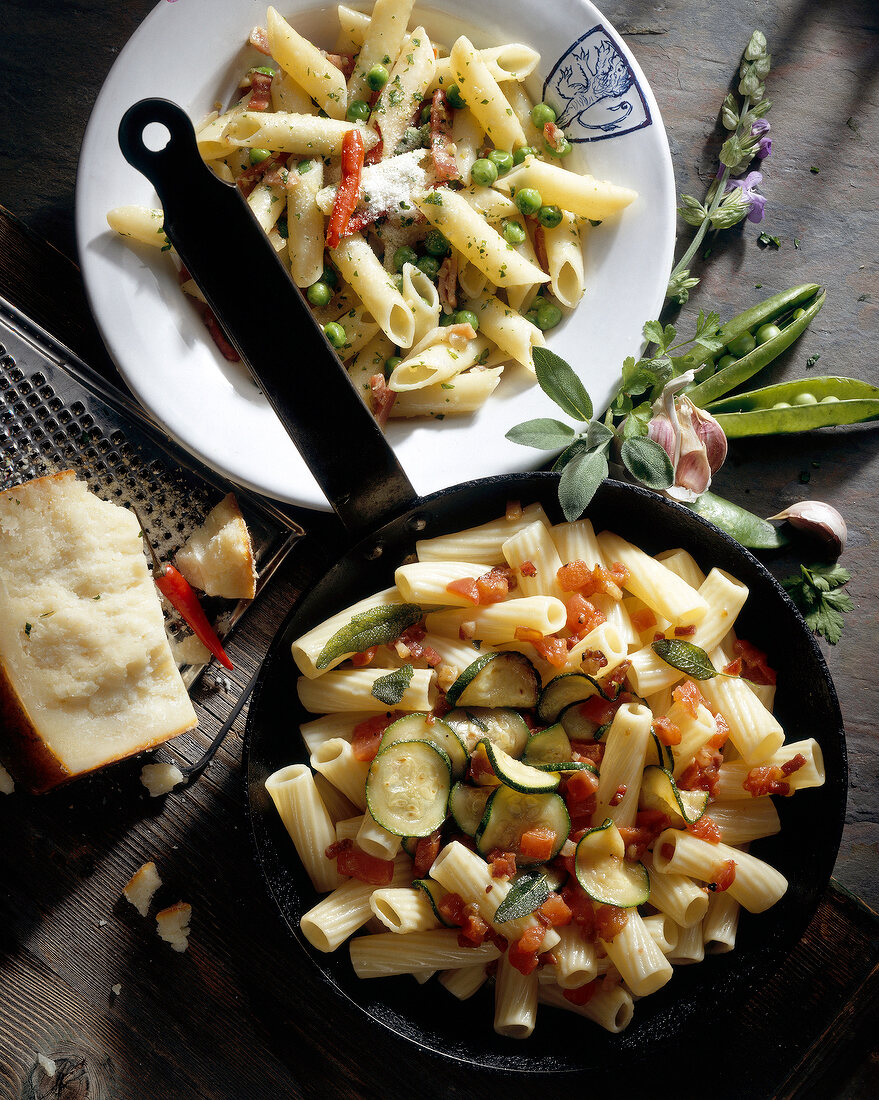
(210, 225)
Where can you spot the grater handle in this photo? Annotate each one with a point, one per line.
(272, 329)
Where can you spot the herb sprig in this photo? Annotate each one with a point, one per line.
(817, 592)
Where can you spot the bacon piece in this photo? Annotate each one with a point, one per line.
(770, 778)
(702, 774)
(493, 586)
(217, 335)
(460, 335)
(685, 631)
(754, 661)
(554, 136)
(259, 39)
(638, 838)
(502, 864)
(447, 283)
(337, 847)
(464, 587)
(539, 239)
(253, 175)
(734, 668)
(383, 398)
(667, 732)
(343, 61)
(260, 92)
(537, 843)
(598, 710)
(441, 146)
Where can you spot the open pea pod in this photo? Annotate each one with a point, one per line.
(797, 407)
(752, 363)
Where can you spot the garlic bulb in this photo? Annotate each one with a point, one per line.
(819, 519)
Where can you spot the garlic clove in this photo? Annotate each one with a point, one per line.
(711, 434)
(817, 518)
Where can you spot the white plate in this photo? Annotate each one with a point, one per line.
(193, 52)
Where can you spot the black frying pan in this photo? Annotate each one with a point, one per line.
(361, 477)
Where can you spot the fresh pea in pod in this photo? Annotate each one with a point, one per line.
(742, 525)
(797, 407)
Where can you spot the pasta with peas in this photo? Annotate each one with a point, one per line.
(415, 194)
(529, 822)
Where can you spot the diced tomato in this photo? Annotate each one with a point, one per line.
(610, 920)
(685, 631)
(614, 680)
(527, 634)
(367, 736)
(537, 843)
(590, 751)
(576, 576)
(766, 779)
(689, 697)
(642, 619)
(580, 785)
(473, 930)
(724, 876)
(552, 649)
(333, 850)
(618, 795)
(493, 586)
(502, 864)
(582, 909)
(426, 851)
(605, 582)
(348, 190)
(466, 587)
(583, 994)
(705, 829)
(523, 953)
(667, 732)
(734, 668)
(702, 774)
(756, 669)
(719, 739)
(359, 865)
(481, 770)
(599, 710)
(365, 657)
(528, 569)
(555, 911)
(620, 573)
(583, 617)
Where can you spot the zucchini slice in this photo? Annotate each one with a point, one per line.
(435, 893)
(576, 725)
(562, 691)
(549, 746)
(660, 792)
(409, 844)
(467, 806)
(407, 788)
(496, 679)
(511, 813)
(659, 755)
(424, 727)
(514, 773)
(604, 873)
(502, 725)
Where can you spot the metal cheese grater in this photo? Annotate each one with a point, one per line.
(57, 414)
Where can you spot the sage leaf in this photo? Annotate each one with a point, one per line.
(559, 382)
(579, 482)
(527, 894)
(648, 463)
(685, 657)
(375, 626)
(545, 434)
(390, 689)
(579, 446)
(599, 435)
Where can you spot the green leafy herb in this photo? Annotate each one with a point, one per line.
(559, 382)
(376, 626)
(545, 434)
(579, 482)
(648, 462)
(685, 657)
(390, 689)
(765, 241)
(814, 170)
(812, 360)
(28, 627)
(527, 894)
(818, 594)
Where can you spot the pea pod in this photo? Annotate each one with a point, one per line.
(743, 369)
(806, 404)
(744, 526)
(770, 309)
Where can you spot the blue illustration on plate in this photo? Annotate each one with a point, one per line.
(594, 91)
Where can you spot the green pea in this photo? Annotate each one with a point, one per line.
(513, 232)
(404, 255)
(377, 77)
(741, 345)
(329, 275)
(548, 315)
(531, 316)
(424, 116)
(484, 172)
(424, 132)
(805, 399)
(454, 97)
(522, 152)
(436, 243)
(502, 160)
(319, 294)
(391, 365)
(724, 362)
(358, 111)
(430, 265)
(257, 156)
(466, 317)
(829, 400)
(798, 313)
(528, 200)
(781, 405)
(549, 216)
(446, 319)
(541, 114)
(765, 333)
(562, 149)
(335, 334)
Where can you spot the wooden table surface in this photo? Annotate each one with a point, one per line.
(240, 1015)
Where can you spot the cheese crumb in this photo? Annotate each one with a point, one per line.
(141, 886)
(48, 1065)
(160, 778)
(173, 925)
(6, 784)
(116, 989)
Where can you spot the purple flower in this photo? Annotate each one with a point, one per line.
(755, 200)
(764, 147)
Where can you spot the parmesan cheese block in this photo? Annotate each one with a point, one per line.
(218, 557)
(86, 672)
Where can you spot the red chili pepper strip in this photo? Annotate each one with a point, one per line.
(348, 191)
(178, 591)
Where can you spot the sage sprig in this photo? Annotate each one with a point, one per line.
(375, 626)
